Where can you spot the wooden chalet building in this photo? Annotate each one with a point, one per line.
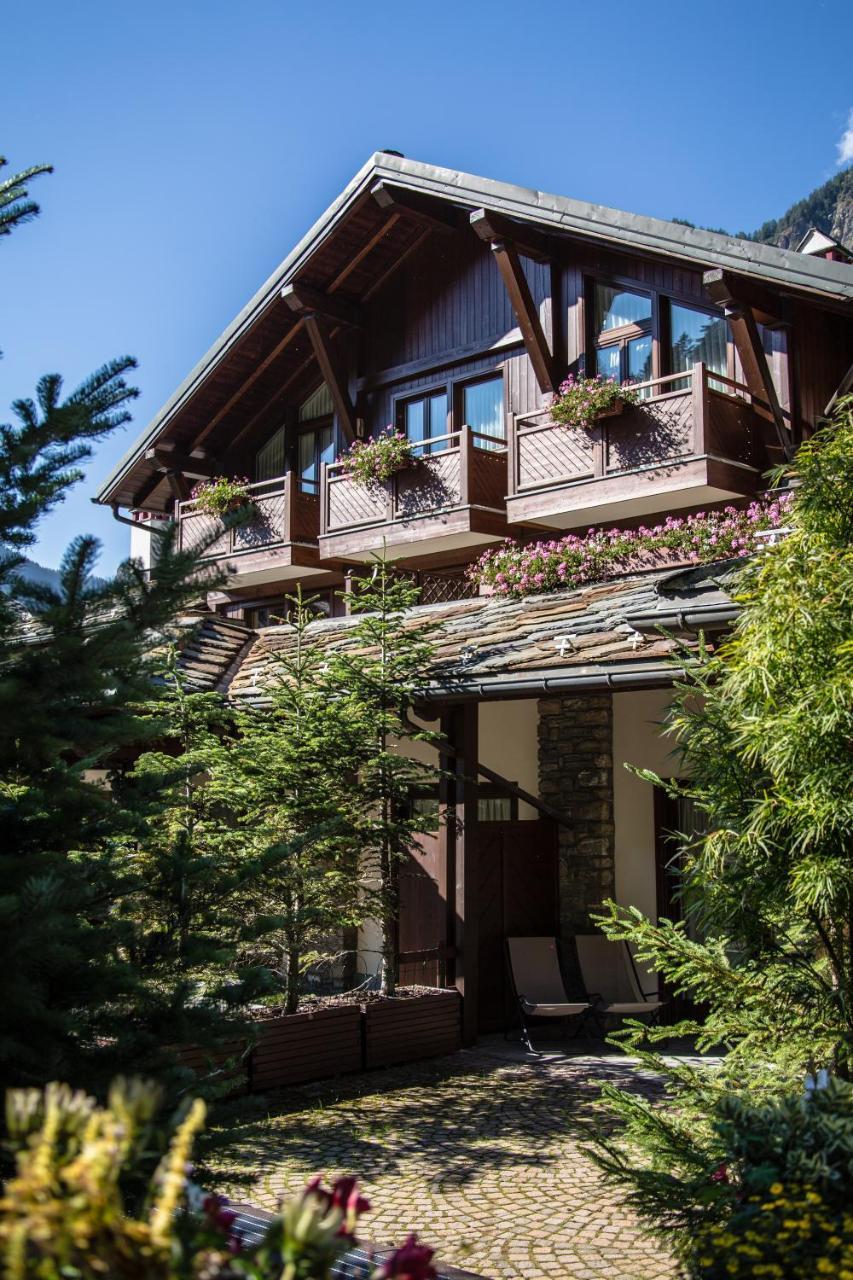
(452, 307)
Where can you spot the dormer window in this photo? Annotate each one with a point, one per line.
(622, 327)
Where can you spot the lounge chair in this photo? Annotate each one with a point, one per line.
(611, 980)
(534, 967)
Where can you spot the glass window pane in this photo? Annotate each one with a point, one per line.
(269, 461)
(640, 359)
(307, 462)
(494, 809)
(697, 336)
(483, 410)
(318, 404)
(616, 307)
(326, 444)
(416, 424)
(608, 363)
(438, 414)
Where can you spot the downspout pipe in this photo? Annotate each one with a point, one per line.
(131, 524)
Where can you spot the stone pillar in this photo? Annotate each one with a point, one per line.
(576, 779)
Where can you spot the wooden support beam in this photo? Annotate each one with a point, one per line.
(532, 243)
(527, 314)
(170, 460)
(729, 290)
(144, 493)
(177, 484)
(412, 205)
(756, 370)
(302, 298)
(844, 386)
(332, 372)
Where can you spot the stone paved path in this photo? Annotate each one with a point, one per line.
(478, 1154)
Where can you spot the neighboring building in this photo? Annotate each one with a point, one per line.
(452, 307)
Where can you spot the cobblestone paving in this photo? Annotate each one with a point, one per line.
(479, 1155)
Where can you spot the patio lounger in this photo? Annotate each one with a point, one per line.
(611, 980)
(534, 967)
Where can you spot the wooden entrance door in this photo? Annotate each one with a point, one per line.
(419, 925)
(516, 897)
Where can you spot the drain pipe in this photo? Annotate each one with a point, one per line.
(131, 524)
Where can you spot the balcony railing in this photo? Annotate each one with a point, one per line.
(459, 483)
(282, 515)
(692, 417)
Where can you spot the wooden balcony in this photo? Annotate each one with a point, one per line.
(695, 438)
(279, 542)
(454, 498)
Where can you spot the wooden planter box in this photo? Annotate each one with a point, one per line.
(299, 1047)
(203, 1060)
(405, 1028)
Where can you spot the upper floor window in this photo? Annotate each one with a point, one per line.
(425, 418)
(622, 327)
(270, 461)
(315, 446)
(318, 405)
(482, 409)
(697, 336)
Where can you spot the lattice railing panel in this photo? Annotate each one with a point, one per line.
(558, 453)
(197, 527)
(353, 504)
(266, 526)
(657, 431)
(434, 484)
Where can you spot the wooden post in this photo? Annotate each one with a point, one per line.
(699, 389)
(512, 455)
(466, 463)
(463, 829)
(526, 313)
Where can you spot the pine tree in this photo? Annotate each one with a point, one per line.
(379, 678)
(292, 768)
(75, 664)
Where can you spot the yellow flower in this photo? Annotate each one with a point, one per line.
(776, 1188)
(825, 1267)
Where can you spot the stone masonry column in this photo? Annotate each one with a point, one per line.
(576, 778)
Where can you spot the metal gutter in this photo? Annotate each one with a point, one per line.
(712, 615)
(601, 679)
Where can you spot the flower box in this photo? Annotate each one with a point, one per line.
(613, 411)
(405, 1028)
(299, 1047)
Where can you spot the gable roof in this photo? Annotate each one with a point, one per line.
(604, 636)
(815, 277)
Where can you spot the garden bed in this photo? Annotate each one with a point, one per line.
(422, 1024)
(298, 1047)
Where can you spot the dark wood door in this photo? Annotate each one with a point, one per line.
(419, 918)
(517, 897)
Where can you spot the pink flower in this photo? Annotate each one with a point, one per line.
(412, 1261)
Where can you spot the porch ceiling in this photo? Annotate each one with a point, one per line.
(493, 647)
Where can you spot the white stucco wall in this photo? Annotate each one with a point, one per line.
(637, 740)
(509, 744)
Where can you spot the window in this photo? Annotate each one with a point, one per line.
(622, 330)
(425, 418)
(314, 448)
(483, 410)
(270, 460)
(697, 336)
(318, 405)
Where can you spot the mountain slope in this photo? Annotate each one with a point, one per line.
(829, 208)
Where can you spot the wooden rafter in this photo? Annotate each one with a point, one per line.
(396, 264)
(357, 258)
(250, 381)
(527, 314)
(144, 493)
(332, 372)
(178, 485)
(844, 386)
(412, 205)
(302, 298)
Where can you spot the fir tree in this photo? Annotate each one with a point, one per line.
(292, 767)
(380, 676)
(75, 664)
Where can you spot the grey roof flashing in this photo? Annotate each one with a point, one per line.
(559, 213)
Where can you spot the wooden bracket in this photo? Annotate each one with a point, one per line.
(144, 493)
(490, 226)
(178, 485)
(302, 298)
(756, 371)
(332, 372)
(527, 314)
(168, 459)
(412, 205)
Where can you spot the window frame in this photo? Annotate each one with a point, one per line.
(314, 426)
(454, 389)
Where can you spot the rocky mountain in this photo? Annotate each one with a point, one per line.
(829, 208)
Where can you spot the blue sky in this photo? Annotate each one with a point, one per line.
(194, 143)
